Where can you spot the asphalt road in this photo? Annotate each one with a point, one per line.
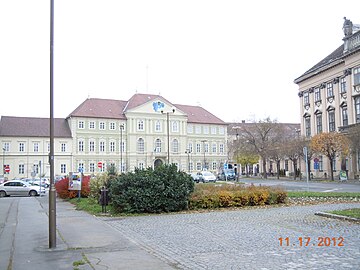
(291, 185)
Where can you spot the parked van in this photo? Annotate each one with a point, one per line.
(227, 174)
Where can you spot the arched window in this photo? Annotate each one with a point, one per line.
(175, 126)
(175, 146)
(157, 145)
(140, 145)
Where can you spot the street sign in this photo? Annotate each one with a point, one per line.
(7, 168)
(100, 164)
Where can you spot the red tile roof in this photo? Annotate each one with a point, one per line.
(100, 108)
(116, 109)
(33, 127)
(199, 115)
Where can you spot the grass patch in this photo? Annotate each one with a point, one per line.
(89, 205)
(299, 194)
(353, 212)
(76, 264)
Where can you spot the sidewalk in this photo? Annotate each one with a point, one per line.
(81, 238)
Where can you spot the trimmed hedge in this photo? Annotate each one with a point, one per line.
(216, 196)
(163, 189)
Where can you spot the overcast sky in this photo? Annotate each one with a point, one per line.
(237, 59)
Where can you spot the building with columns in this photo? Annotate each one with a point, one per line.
(144, 131)
(330, 97)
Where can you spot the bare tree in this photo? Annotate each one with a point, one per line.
(276, 154)
(259, 137)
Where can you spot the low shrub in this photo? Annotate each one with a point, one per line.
(215, 196)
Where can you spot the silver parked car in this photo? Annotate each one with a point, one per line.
(18, 188)
(206, 176)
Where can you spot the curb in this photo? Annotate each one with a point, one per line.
(328, 215)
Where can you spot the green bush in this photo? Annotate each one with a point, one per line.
(163, 189)
(96, 183)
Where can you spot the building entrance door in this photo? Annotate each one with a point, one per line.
(158, 162)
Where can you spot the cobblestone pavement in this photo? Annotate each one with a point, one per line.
(248, 238)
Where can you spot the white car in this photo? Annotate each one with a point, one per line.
(206, 176)
(19, 188)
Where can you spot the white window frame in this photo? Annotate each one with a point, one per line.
(158, 145)
(63, 147)
(21, 168)
(214, 147)
(140, 125)
(21, 147)
(157, 126)
(112, 146)
(175, 146)
(36, 147)
(197, 129)
(206, 130)
(140, 145)
(221, 148)
(81, 124)
(81, 146)
(6, 146)
(175, 126)
(91, 167)
(63, 168)
(92, 146)
(102, 125)
(102, 147)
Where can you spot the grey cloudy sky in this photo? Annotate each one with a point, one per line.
(237, 59)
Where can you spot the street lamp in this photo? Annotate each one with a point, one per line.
(188, 152)
(4, 161)
(121, 147)
(168, 132)
(204, 141)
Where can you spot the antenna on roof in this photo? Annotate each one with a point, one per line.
(147, 79)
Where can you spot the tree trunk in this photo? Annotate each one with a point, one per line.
(309, 168)
(331, 168)
(295, 168)
(264, 168)
(278, 168)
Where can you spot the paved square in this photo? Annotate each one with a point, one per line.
(248, 238)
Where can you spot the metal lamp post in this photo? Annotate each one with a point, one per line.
(121, 147)
(168, 133)
(188, 152)
(204, 141)
(3, 161)
(52, 192)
